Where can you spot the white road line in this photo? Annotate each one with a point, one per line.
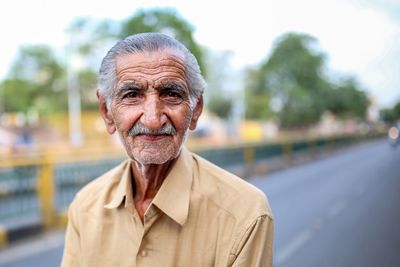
(19, 251)
(284, 254)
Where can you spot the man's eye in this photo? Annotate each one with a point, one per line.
(173, 94)
(131, 95)
(172, 97)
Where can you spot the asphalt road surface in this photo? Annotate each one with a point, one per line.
(343, 210)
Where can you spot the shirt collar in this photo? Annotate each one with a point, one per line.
(122, 180)
(174, 194)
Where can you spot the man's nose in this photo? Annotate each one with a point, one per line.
(153, 116)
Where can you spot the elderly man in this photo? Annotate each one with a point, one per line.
(164, 206)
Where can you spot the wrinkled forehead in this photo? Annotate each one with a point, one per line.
(148, 63)
(150, 69)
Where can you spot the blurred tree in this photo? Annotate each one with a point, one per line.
(292, 77)
(19, 94)
(219, 94)
(346, 100)
(258, 106)
(166, 21)
(220, 106)
(391, 115)
(396, 110)
(291, 85)
(88, 85)
(258, 99)
(89, 38)
(36, 82)
(387, 115)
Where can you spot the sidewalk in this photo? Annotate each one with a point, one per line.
(28, 247)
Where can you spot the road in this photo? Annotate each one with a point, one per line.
(343, 210)
(340, 211)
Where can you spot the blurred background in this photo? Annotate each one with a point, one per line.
(291, 85)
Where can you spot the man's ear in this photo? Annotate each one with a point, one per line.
(196, 113)
(105, 113)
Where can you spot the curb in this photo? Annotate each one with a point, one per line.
(18, 232)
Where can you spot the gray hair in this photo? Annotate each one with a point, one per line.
(149, 42)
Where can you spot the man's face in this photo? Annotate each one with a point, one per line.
(150, 108)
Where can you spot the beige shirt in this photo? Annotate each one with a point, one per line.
(201, 216)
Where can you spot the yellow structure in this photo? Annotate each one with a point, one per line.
(45, 189)
(3, 237)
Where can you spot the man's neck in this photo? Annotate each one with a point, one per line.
(147, 181)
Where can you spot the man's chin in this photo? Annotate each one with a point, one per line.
(153, 156)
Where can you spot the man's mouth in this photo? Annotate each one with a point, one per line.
(152, 137)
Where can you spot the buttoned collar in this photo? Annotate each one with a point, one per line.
(174, 194)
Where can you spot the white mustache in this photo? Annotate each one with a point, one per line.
(139, 128)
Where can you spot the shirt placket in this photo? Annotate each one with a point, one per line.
(145, 253)
(138, 232)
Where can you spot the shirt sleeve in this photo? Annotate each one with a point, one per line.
(71, 256)
(254, 249)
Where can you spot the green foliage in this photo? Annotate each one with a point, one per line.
(391, 115)
(257, 98)
(294, 77)
(219, 95)
(292, 74)
(88, 85)
(396, 110)
(220, 106)
(165, 21)
(19, 95)
(347, 101)
(259, 106)
(301, 109)
(88, 37)
(37, 63)
(36, 82)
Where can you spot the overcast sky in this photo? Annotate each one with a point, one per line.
(360, 37)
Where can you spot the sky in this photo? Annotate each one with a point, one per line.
(360, 37)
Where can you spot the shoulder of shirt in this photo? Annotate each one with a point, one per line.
(100, 189)
(229, 191)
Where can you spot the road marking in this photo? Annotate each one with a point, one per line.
(284, 254)
(19, 251)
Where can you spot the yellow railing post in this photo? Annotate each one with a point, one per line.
(312, 146)
(3, 237)
(45, 189)
(288, 152)
(249, 159)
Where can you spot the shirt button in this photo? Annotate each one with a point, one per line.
(143, 253)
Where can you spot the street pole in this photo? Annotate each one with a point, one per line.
(74, 105)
